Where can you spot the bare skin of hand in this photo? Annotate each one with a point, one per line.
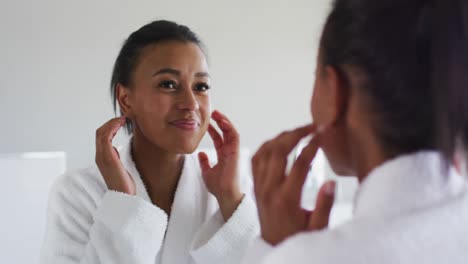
(108, 161)
(222, 180)
(279, 195)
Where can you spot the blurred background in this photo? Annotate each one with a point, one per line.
(56, 61)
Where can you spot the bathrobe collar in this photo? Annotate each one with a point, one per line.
(188, 208)
(406, 183)
(127, 160)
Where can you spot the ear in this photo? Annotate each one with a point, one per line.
(123, 94)
(337, 96)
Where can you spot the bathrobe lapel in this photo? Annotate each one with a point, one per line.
(188, 209)
(187, 214)
(129, 164)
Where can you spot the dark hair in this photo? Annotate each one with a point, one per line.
(128, 58)
(392, 43)
(450, 74)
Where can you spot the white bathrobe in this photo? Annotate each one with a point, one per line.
(407, 211)
(89, 224)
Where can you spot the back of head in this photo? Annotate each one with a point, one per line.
(413, 58)
(450, 74)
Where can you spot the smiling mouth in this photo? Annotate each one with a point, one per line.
(186, 124)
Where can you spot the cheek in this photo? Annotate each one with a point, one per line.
(204, 103)
(156, 105)
(315, 105)
(151, 109)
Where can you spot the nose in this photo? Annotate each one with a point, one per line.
(188, 101)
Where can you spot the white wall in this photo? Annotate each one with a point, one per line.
(57, 56)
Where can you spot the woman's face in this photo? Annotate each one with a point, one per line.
(169, 98)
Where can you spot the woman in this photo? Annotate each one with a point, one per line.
(386, 69)
(152, 202)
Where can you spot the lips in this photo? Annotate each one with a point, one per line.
(186, 124)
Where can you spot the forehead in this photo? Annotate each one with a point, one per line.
(183, 56)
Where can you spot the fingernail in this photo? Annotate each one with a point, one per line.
(330, 188)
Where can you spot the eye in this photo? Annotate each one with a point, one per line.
(168, 84)
(202, 87)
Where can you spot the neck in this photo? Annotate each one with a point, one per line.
(159, 169)
(366, 154)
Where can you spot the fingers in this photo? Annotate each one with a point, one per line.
(278, 195)
(321, 215)
(269, 163)
(259, 171)
(204, 162)
(300, 169)
(258, 167)
(275, 169)
(104, 136)
(216, 137)
(117, 152)
(107, 131)
(230, 134)
(286, 141)
(108, 161)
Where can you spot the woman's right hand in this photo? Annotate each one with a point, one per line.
(108, 161)
(279, 193)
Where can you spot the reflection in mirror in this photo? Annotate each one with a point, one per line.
(154, 200)
(58, 64)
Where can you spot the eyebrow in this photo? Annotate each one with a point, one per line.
(177, 73)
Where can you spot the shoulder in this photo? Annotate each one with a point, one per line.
(86, 180)
(350, 243)
(79, 189)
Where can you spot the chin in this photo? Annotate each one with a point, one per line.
(340, 171)
(185, 147)
(186, 150)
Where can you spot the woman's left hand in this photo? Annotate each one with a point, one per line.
(222, 180)
(278, 195)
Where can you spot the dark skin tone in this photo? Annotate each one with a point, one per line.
(169, 105)
(342, 128)
(161, 190)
